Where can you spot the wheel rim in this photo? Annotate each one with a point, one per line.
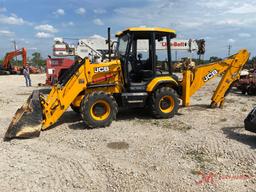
(166, 104)
(100, 110)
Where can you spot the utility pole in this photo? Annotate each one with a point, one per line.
(176, 55)
(229, 49)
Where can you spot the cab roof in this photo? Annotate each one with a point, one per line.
(146, 29)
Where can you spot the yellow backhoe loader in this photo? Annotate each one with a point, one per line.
(128, 78)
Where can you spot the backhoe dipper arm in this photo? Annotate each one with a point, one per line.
(229, 68)
(24, 57)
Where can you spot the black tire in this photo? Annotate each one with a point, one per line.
(164, 102)
(103, 103)
(251, 90)
(75, 108)
(243, 92)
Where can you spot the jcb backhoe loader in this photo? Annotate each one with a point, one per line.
(130, 79)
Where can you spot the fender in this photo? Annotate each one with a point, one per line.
(159, 80)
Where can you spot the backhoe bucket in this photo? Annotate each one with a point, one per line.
(26, 122)
(250, 121)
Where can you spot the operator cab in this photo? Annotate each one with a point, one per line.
(141, 56)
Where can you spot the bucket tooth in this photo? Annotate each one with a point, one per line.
(26, 122)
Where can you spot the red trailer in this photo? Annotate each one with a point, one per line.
(55, 67)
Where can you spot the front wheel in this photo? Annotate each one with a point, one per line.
(164, 102)
(98, 109)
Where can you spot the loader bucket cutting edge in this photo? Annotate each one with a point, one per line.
(26, 122)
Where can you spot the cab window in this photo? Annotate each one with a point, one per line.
(161, 56)
(122, 45)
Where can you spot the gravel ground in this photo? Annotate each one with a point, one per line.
(200, 149)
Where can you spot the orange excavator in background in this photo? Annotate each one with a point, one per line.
(6, 68)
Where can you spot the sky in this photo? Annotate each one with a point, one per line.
(34, 23)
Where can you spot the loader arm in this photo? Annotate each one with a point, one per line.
(229, 68)
(61, 96)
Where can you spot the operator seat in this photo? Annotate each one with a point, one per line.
(147, 75)
(134, 68)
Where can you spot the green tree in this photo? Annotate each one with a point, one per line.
(253, 62)
(214, 58)
(37, 60)
(36, 57)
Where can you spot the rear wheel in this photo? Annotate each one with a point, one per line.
(98, 109)
(164, 102)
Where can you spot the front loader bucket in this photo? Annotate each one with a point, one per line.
(26, 122)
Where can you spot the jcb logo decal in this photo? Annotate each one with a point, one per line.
(210, 75)
(101, 69)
